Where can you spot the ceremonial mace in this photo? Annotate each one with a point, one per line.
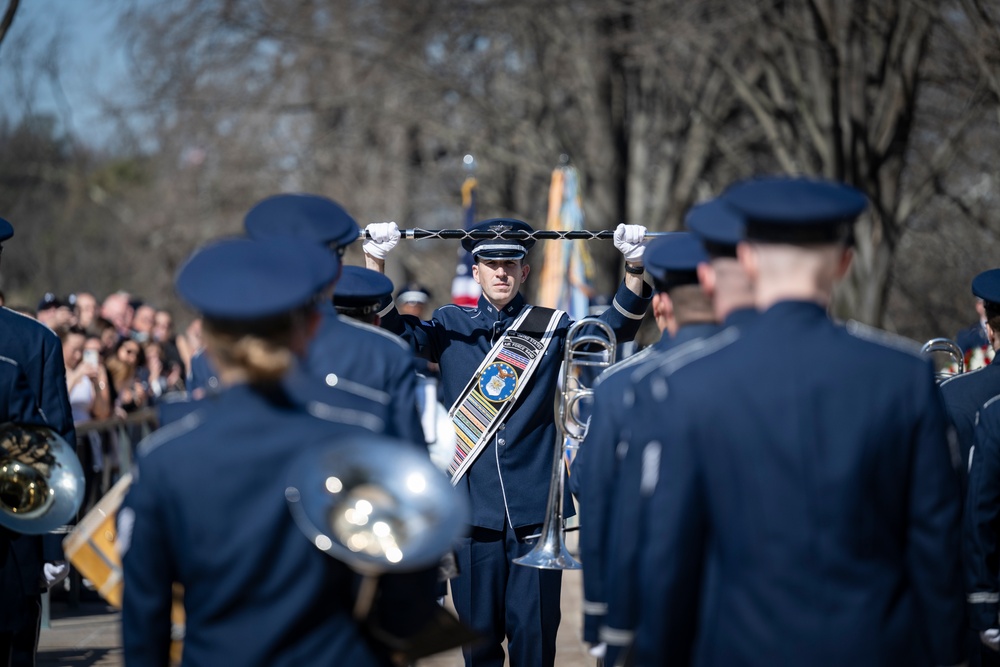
(512, 234)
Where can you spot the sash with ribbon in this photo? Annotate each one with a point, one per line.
(495, 386)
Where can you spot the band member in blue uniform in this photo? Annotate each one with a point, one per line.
(37, 350)
(383, 367)
(975, 335)
(981, 530)
(362, 294)
(965, 393)
(499, 367)
(964, 396)
(971, 400)
(672, 262)
(726, 287)
(207, 509)
(21, 556)
(806, 504)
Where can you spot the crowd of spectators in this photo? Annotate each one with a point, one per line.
(122, 354)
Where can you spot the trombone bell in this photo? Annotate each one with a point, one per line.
(41, 480)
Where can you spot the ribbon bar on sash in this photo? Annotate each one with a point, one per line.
(498, 382)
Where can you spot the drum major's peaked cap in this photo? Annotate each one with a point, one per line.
(787, 209)
(719, 226)
(243, 279)
(305, 216)
(498, 248)
(987, 286)
(361, 291)
(673, 260)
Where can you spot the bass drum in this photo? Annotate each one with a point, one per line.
(439, 432)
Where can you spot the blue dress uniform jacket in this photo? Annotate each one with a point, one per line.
(207, 510)
(807, 504)
(980, 543)
(39, 353)
(509, 480)
(372, 363)
(964, 395)
(595, 471)
(638, 472)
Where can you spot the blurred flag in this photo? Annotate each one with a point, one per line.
(567, 271)
(464, 290)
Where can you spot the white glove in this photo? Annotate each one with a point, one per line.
(598, 650)
(384, 237)
(991, 638)
(54, 572)
(629, 241)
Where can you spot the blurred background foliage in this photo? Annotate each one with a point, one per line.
(658, 103)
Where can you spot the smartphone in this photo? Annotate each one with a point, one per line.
(91, 357)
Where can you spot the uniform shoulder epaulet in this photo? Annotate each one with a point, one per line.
(882, 337)
(631, 362)
(362, 390)
(346, 416)
(31, 321)
(990, 402)
(676, 358)
(171, 431)
(364, 326)
(454, 306)
(960, 376)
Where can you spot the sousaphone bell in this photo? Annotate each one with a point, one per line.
(380, 506)
(41, 479)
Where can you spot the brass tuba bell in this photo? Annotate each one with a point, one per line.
(41, 480)
(376, 504)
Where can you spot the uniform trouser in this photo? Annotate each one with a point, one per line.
(19, 648)
(499, 599)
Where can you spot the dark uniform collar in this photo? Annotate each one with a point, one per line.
(695, 331)
(686, 333)
(793, 307)
(509, 312)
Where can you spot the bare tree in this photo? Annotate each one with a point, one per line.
(8, 18)
(658, 103)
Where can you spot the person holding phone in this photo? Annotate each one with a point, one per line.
(86, 377)
(89, 399)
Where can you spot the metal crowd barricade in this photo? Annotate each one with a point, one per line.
(118, 437)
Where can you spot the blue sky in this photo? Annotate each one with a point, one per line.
(91, 64)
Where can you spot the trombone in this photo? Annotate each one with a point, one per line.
(952, 351)
(585, 348)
